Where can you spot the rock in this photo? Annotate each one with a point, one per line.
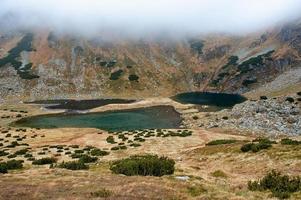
(182, 178)
(291, 120)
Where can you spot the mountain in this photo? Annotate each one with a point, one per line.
(42, 64)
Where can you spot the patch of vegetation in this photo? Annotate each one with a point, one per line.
(195, 117)
(197, 46)
(257, 61)
(102, 193)
(78, 151)
(87, 159)
(116, 75)
(133, 77)
(111, 140)
(281, 186)
(195, 191)
(3, 153)
(145, 165)
(135, 145)
(290, 99)
(98, 152)
(248, 82)
(219, 174)
(44, 161)
(263, 97)
(73, 165)
(232, 61)
(76, 155)
(14, 54)
(257, 145)
(287, 141)
(10, 165)
(220, 142)
(21, 152)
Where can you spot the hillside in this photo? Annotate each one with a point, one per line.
(43, 64)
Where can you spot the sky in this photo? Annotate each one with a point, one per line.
(139, 17)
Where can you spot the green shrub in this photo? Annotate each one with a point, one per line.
(75, 155)
(135, 145)
(44, 161)
(145, 165)
(115, 148)
(78, 151)
(10, 165)
(264, 140)
(98, 152)
(21, 152)
(87, 159)
(219, 142)
(257, 145)
(28, 155)
(3, 153)
(122, 147)
(3, 168)
(73, 165)
(287, 141)
(12, 156)
(110, 140)
(116, 75)
(133, 77)
(281, 186)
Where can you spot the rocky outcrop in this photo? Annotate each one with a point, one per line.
(268, 116)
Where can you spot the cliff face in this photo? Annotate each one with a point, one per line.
(42, 64)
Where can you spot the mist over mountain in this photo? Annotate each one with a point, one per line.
(142, 17)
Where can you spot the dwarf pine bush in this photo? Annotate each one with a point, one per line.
(145, 165)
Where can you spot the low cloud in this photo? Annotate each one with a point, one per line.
(142, 17)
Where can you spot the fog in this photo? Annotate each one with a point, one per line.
(141, 17)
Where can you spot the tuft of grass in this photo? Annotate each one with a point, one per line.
(195, 191)
(219, 174)
(102, 193)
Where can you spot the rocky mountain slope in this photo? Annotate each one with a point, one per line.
(41, 64)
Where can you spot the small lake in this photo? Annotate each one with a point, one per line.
(70, 104)
(157, 117)
(214, 101)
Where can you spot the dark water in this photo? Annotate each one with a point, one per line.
(69, 104)
(215, 101)
(161, 117)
